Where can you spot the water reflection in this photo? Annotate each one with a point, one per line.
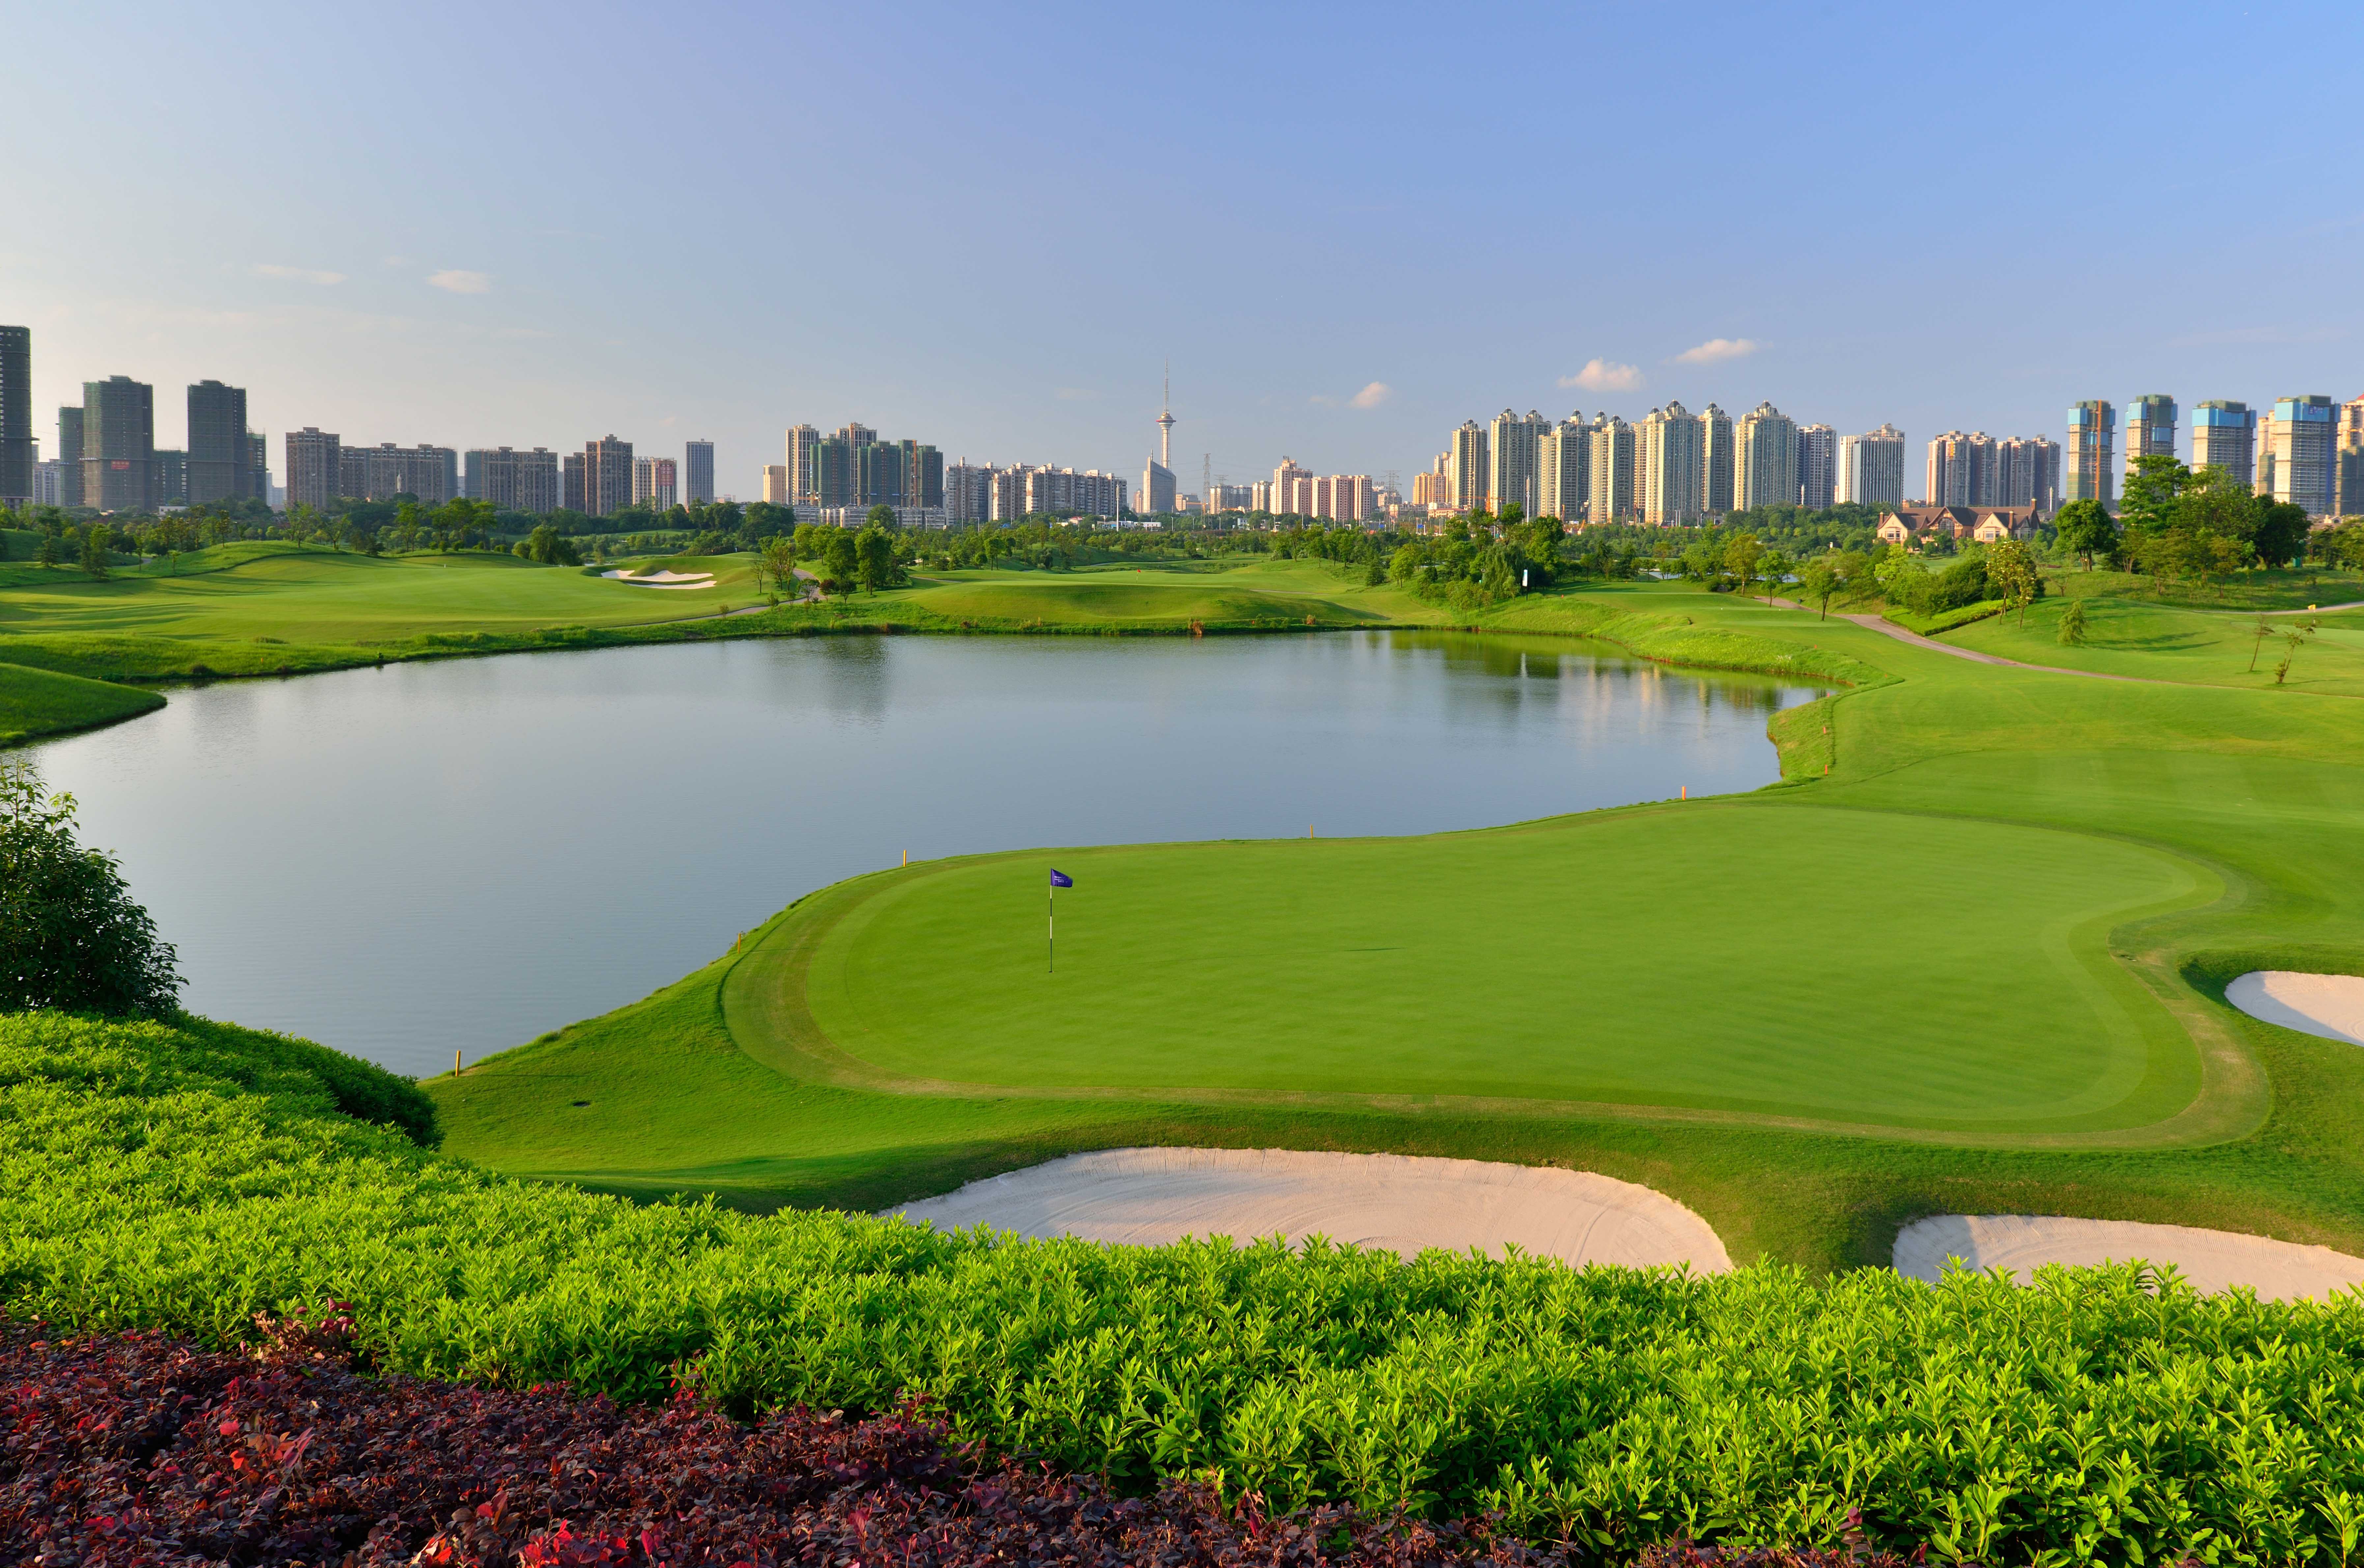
(407, 860)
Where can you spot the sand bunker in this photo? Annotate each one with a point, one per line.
(2208, 1259)
(1147, 1196)
(2331, 1005)
(664, 579)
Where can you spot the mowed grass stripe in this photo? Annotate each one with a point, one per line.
(1716, 957)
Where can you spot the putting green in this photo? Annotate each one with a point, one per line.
(1714, 956)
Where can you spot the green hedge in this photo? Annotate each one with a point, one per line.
(185, 1176)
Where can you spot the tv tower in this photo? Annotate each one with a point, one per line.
(1166, 422)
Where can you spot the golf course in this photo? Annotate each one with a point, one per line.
(1969, 955)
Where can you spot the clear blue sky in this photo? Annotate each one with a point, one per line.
(987, 226)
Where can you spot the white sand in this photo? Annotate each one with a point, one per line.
(2329, 1005)
(2208, 1259)
(1148, 1197)
(674, 580)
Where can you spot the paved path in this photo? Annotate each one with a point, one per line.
(2317, 610)
(1889, 629)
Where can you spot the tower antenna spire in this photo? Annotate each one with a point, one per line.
(1166, 422)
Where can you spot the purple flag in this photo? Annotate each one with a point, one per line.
(1061, 879)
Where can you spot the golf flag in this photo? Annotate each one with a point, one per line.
(1059, 879)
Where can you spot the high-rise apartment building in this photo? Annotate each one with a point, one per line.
(258, 467)
(1563, 469)
(922, 474)
(514, 481)
(1669, 466)
(2300, 451)
(315, 465)
(428, 475)
(2088, 470)
(1719, 461)
(606, 476)
(1285, 494)
(697, 472)
(118, 444)
(47, 477)
(1511, 479)
(1961, 470)
(1871, 468)
(2026, 472)
(776, 483)
(168, 477)
(17, 449)
(69, 458)
(655, 483)
(221, 460)
(1768, 473)
(1470, 466)
(802, 483)
(1818, 467)
(2348, 487)
(878, 475)
(1616, 491)
(2224, 435)
(2150, 427)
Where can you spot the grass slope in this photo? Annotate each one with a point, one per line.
(40, 702)
(2043, 868)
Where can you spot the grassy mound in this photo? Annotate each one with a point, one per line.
(185, 1179)
(42, 702)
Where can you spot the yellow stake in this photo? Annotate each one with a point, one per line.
(455, 1064)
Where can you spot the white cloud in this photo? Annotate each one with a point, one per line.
(297, 274)
(461, 281)
(1604, 375)
(1717, 349)
(1371, 397)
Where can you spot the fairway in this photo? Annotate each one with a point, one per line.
(1267, 594)
(1713, 957)
(311, 595)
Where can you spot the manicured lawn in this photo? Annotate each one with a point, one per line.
(1712, 955)
(1276, 593)
(316, 595)
(39, 702)
(2175, 642)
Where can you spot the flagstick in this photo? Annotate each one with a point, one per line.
(1051, 926)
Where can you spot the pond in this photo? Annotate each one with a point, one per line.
(425, 858)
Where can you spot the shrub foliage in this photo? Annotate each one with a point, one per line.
(71, 935)
(151, 1178)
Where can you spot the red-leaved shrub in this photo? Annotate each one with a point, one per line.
(133, 1449)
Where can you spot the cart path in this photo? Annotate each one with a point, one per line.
(1889, 629)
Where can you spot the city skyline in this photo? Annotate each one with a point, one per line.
(522, 316)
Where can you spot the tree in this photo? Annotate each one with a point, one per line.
(2292, 641)
(2279, 535)
(70, 936)
(2012, 576)
(1741, 554)
(2072, 622)
(2265, 630)
(46, 552)
(2154, 483)
(779, 559)
(1774, 569)
(94, 551)
(839, 558)
(549, 547)
(2084, 529)
(880, 517)
(1818, 580)
(875, 559)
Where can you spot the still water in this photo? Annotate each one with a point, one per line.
(407, 861)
